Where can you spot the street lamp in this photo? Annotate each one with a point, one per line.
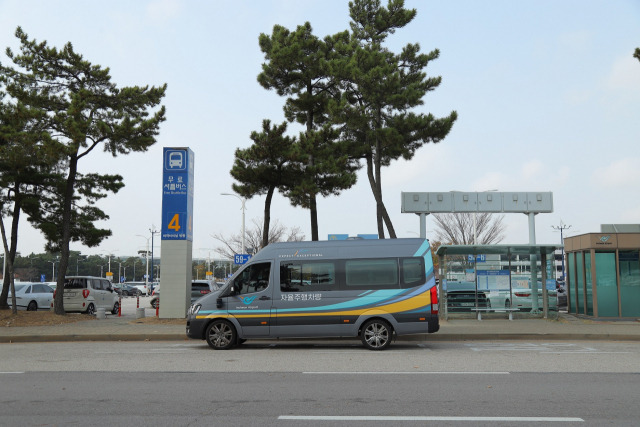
(135, 261)
(208, 257)
(153, 232)
(243, 200)
(561, 228)
(78, 263)
(53, 269)
(109, 255)
(146, 255)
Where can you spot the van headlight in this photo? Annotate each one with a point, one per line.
(194, 309)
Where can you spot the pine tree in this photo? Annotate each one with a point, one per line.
(380, 89)
(84, 110)
(26, 165)
(297, 66)
(264, 167)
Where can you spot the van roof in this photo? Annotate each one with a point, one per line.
(362, 248)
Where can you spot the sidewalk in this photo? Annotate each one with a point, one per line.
(128, 328)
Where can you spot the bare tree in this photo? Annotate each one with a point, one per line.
(253, 238)
(458, 228)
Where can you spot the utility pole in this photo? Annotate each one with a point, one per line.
(561, 228)
(153, 232)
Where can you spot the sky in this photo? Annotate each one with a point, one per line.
(547, 94)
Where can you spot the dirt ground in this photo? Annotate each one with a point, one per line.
(38, 318)
(47, 318)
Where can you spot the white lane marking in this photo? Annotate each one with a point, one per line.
(379, 353)
(408, 373)
(542, 348)
(146, 352)
(585, 352)
(17, 372)
(418, 418)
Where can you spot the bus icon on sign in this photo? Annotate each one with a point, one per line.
(176, 160)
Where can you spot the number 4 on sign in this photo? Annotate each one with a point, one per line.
(174, 224)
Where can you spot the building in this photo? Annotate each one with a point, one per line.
(603, 272)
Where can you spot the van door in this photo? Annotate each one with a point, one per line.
(307, 301)
(251, 303)
(98, 293)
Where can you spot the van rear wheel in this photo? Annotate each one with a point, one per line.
(116, 307)
(376, 334)
(220, 335)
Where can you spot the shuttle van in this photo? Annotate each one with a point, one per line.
(371, 289)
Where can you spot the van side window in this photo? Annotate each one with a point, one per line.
(372, 273)
(412, 271)
(254, 278)
(307, 276)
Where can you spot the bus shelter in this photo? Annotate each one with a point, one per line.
(507, 279)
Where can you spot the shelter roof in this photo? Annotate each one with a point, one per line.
(497, 249)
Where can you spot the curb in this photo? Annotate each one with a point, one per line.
(92, 337)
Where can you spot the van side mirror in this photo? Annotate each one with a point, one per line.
(219, 303)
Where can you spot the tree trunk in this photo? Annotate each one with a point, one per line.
(267, 217)
(374, 175)
(313, 210)
(376, 196)
(10, 252)
(66, 235)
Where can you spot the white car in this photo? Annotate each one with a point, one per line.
(32, 296)
(142, 286)
(86, 294)
(522, 299)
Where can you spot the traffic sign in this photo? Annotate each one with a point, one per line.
(240, 259)
(177, 194)
(479, 258)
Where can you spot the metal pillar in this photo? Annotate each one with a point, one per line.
(534, 266)
(423, 225)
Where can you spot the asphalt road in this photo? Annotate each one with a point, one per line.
(320, 384)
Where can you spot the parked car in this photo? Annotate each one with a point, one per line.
(461, 296)
(126, 290)
(87, 294)
(522, 299)
(199, 288)
(562, 297)
(32, 296)
(155, 296)
(142, 286)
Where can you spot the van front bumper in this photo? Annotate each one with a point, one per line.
(196, 327)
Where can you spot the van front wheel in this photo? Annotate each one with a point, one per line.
(376, 334)
(220, 335)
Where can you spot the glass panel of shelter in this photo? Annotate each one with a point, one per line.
(497, 283)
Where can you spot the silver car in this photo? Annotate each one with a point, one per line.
(32, 296)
